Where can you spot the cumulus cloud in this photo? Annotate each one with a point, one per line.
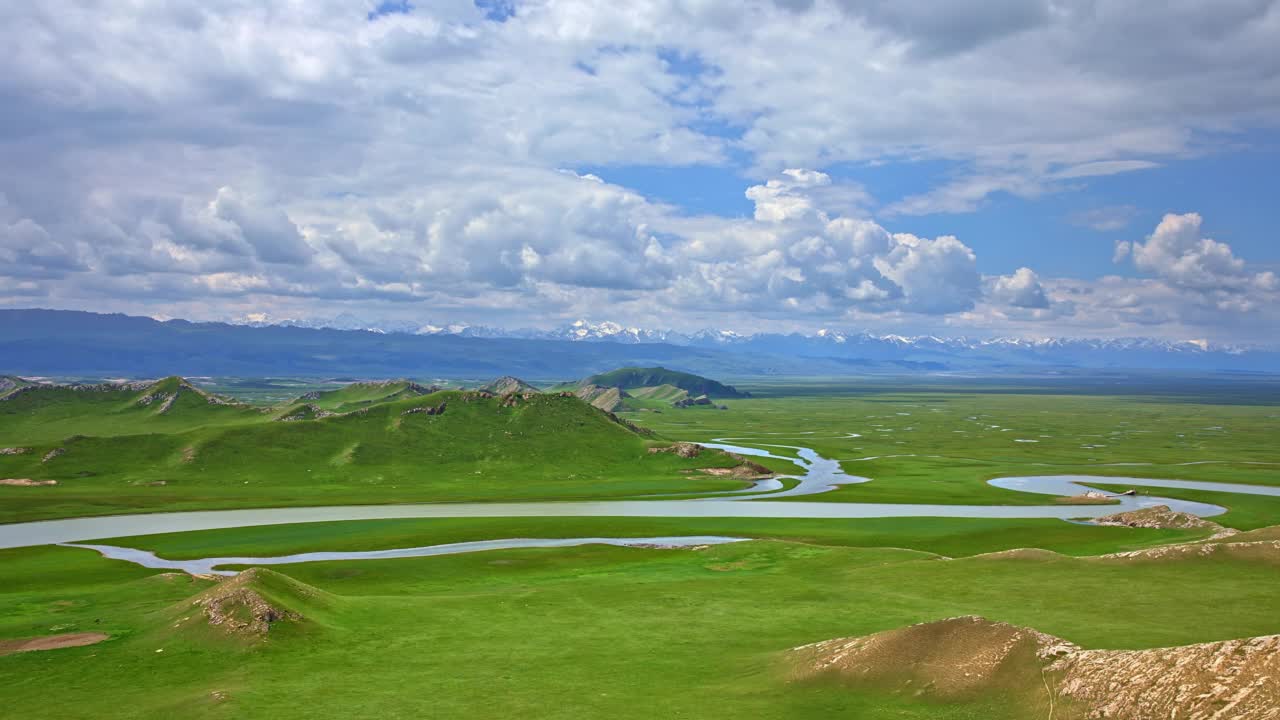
(284, 153)
(1022, 289)
(937, 276)
(1179, 253)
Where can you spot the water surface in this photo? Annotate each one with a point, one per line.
(819, 475)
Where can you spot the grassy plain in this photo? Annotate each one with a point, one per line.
(602, 631)
(580, 632)
(941, 446)
(919, 444)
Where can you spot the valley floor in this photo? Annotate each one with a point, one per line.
(621, 632)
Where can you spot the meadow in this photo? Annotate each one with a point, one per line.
(600, 631)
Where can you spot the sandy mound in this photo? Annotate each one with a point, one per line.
(1236, 679)
(50, 642)
(1266, 533)
(947, 658)
(683, 449)
(240, 604)
(1229, 680)
(1035, 554)
(745, 470)
(1159, 517)
(1091, 497)
(1264, 550)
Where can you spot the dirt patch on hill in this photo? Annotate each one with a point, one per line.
(1258, 550)
(1158, 517)
(50, 642)
(26, 482)
(964, 656)
(947, 659)
(683, 449)
(1238, 679)
(1036, 554)
(237, 606)
(1091, 497)
(744, 470)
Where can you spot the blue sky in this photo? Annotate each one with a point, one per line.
(1235, 187)
(1016, 167)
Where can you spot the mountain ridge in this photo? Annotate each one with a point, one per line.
(57, 342)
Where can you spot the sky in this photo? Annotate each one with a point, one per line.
(1036, 168)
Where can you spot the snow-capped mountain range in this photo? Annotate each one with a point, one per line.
(855, 347)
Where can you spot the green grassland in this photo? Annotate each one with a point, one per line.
(601, 631)
(942, 446)
(578, 632)
(918, 445)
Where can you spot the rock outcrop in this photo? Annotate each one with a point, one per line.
(609, 399)
(1089, 497)
(427, 409)
(506, 385)
(692, 401)
(945, 659)
(683, 449)
(1236, 679)
(964, 656)
(1158, 516)
(1265, 550)
(10, 383)
(308, 411)
(237, 605)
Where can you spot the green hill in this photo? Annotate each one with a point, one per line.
(364, 394)
(631, 378)
(248, 607)
(44, 413)
(663, 393)
(507, 384)
(111, 450)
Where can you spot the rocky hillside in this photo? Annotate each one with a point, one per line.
(966, 656)
(609, 399)
(252, 604)
(9, 383)
(1158, 516)
(507, 385)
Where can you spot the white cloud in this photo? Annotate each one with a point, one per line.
(1022, 289)
(282, 153)
(1179, 253)
(1105, 219)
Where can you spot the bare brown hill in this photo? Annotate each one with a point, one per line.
(971, 656)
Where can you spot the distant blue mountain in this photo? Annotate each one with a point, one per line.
(57, 342)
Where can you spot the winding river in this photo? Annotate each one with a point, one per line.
(818, 475)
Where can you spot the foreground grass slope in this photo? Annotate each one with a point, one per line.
(581, 632)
